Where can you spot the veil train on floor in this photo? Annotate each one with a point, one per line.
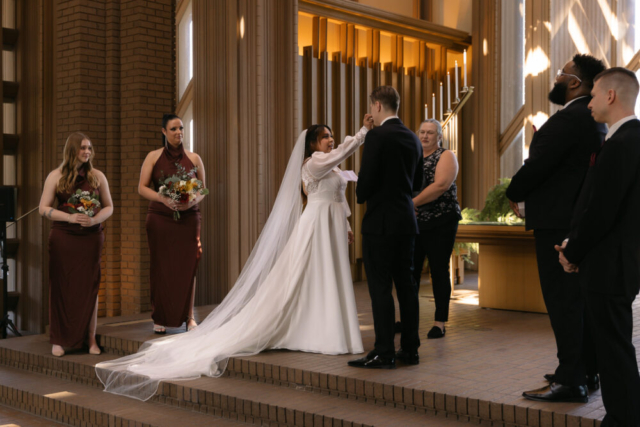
(190, 355)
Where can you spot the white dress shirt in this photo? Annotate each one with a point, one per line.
(572, 101)
(617, 125)
(389, 118)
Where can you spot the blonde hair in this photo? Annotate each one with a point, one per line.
(70, 163)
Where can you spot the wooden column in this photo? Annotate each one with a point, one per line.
(480, 149)
(32, 311)
(245, 115)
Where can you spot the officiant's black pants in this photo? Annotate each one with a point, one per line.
(565, 303)
(388, 260)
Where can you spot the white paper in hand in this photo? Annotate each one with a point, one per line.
(349, 176)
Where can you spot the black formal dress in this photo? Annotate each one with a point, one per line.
(549, 183)
(605, 243)
(391, 171)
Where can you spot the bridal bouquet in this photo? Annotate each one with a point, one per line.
(83, 202)
(182, 187)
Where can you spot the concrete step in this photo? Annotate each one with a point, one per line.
(79, 405)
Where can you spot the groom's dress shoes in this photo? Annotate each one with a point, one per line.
(555, 392)
(592, 381)
(375, 362)
(408, 357)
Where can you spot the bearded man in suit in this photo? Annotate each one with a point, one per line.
(549, 183)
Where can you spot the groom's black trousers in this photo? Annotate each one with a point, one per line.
(388, 260)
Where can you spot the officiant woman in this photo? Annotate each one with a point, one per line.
(438, 213)
(75, 244)
(174, 244)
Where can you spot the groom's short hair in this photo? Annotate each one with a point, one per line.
(387, 96)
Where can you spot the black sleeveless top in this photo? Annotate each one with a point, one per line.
(445, 208)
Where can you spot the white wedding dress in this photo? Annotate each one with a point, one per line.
(295, 292)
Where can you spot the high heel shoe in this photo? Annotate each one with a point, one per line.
(57, 351)
(191, 327)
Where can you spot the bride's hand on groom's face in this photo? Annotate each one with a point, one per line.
(368, 121)
(350, 237)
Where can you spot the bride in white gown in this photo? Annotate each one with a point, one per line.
(295, 291)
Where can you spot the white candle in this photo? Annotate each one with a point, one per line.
(464, 72)
(456, 79)
(448, 91)
(433, 105)
(426, 112)
(441, 98)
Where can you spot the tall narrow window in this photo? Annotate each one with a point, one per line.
(185, 49)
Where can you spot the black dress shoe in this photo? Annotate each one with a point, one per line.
(592, 381)
(397, 328)
(375, 362)
(555, 392)
(408, 357)
(436, 332)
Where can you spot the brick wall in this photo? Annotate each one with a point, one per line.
(115, 78)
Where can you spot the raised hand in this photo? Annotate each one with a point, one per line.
(368, 121)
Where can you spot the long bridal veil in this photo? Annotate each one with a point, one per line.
(190, 355)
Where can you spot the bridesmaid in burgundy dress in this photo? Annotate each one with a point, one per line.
(174, 244)
(75, 246)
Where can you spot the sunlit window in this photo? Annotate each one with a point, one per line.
(187, 121)
(185, 50)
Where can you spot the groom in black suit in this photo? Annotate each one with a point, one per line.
(391, 171)
(549, 183)
(604, 244)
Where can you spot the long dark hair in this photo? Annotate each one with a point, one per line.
(166, 118)
(313, 132)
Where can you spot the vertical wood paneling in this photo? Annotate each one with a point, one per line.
(33, 305)
(244, 125)
(481, 165)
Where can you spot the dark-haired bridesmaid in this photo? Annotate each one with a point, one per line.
(174, 244)
(83, 202)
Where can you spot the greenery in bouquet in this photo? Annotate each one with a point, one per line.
(182, 187)
(83, 202)
(496, 207)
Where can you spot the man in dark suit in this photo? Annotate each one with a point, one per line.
(604, 243)
(391, 171)
(549, 183)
